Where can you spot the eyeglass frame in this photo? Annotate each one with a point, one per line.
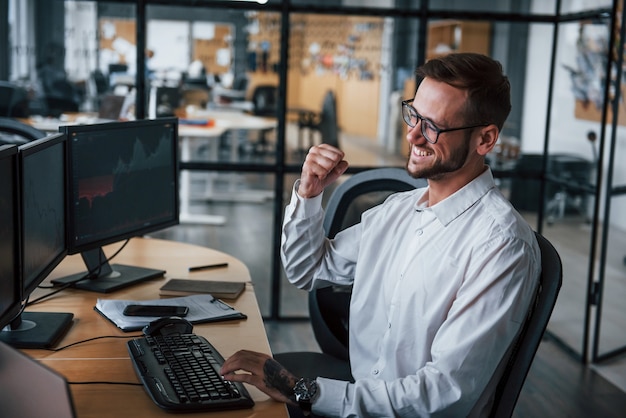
(406, 104)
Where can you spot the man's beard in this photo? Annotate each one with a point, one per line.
(439, 170)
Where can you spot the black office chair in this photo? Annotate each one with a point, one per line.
(329, 307)
(325, 122)
(265, 100)
(264, 103)
(13, 100)
(16, 132)
(511, 382)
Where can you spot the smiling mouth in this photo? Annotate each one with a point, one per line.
(420, 152)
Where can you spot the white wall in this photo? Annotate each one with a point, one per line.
(567, 133)
(81, 40)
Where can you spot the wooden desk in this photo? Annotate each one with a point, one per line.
(107, 360)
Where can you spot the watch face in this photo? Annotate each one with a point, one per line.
(305, 389)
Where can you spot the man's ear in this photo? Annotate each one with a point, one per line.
(487, 139)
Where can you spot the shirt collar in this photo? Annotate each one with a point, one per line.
(454, 205)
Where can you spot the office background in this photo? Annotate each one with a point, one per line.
(555, 52)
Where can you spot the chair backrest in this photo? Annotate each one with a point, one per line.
(328, 125)
(362, 191)
(329, 307)
(16, 132)
(13, 100)
(241, 83)
(515, 373)
(265, 100)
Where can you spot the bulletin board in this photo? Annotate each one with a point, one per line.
(117, 36)
(337, 53)
(169, 40)
(212, 45)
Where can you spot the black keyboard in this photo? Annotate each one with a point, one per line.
(181, 373)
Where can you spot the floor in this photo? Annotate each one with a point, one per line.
(247, 235)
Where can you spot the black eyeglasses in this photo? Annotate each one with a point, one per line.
(429, 129)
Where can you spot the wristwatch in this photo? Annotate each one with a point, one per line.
(305, 392)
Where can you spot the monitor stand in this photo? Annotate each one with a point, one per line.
(106, 278)
(37, 329)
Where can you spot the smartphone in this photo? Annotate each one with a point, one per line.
(155, 310)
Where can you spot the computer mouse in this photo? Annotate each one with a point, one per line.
(168, 326)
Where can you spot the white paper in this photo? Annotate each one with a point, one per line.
(202, 308)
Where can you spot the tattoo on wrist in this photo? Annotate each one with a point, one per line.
(277, 377)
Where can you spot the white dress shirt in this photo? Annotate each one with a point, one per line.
(439, 293)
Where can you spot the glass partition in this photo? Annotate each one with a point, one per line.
(251, 101)
(584, 5)
(571, 172)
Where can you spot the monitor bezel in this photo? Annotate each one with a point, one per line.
(10, 152)
(25, 151)
(70, 130)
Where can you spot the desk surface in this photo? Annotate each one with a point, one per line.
(224, 120)
(107, 360)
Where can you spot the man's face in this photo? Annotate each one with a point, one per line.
(442, 105)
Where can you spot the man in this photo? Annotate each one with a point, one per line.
(442, 277)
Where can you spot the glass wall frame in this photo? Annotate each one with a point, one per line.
(410, 21)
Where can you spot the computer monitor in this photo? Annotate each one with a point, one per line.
(122, 183)
(164, 101)
(10, 281)
(42, 204)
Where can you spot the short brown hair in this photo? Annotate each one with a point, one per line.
(489, 90)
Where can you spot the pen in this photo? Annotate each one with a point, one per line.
(208, 267)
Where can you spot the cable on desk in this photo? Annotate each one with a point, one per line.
(87, 275)
(106, 383)
(92, 339)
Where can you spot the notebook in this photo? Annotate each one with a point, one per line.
(218, 288)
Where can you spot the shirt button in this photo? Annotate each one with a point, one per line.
(389, 325)
(375, 372)
(420, 232)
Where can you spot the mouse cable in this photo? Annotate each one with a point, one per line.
(106, 383)
(92, 339)
(87, 275)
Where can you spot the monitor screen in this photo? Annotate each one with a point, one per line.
(42, 165)
(43, 208)
(122, 183)
(164, 101)
(10, 282)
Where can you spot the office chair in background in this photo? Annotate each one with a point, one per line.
(264, 103)
(325, 123)
(575, 171)
(13, 100)
(329, 307)
(16, 132)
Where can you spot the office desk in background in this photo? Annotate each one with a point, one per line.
(107, 360)
(51, 125)
(190, 136)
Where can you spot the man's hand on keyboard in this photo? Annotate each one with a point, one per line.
(262, 371)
